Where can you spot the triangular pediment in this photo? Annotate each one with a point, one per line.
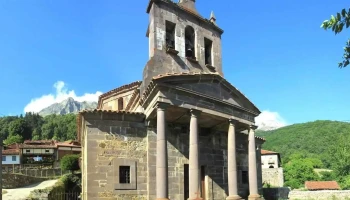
(211, 86)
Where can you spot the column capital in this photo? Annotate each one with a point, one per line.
(161, 105)
(253, 127)
(195, 112)
(233, 121)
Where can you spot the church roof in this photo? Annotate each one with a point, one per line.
(193, 13)
(117, 90)
(200, 74)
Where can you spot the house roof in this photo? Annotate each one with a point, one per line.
(68, 144)
(322, 185)
(267, 152)
(135, 84)
(38, 144)
(10, 152)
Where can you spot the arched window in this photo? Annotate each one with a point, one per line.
(189, 42)
(271, 166)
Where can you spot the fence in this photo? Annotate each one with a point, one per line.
(38, 172)
(64, 196)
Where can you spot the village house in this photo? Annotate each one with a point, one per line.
(184, 131)
(272, 171)
(10, 157)
(37, 153)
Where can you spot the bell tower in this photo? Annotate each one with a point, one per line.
(181, 40)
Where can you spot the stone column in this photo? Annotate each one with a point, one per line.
(232, 162)
(253, 178)
(162, 155)
(194, 175)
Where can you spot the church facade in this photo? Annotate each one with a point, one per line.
(183, 132)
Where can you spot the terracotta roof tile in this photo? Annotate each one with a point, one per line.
(267, 152)
(322, 185)
(118, 89)
(111, 111)
(10, 152)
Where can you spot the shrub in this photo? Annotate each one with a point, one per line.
(70, 162)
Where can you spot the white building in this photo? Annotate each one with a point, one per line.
(272, 171)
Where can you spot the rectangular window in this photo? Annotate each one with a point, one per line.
(47, 151)
(120, 104)
(245, 177)
(170, 34)
(27, 151)
(124, 174)
(13, 158)
(207, 48)
(4, 158)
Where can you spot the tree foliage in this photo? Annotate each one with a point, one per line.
(337, 23)
(297, 171)
(318, 144)
(35, 127)
(70, 162)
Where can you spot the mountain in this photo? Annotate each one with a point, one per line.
(311, 139)
(67, 106)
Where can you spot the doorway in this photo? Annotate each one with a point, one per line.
(186, 182)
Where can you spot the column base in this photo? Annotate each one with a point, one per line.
(162, 199)
(234, 197)
(196, 198)
(254, 197)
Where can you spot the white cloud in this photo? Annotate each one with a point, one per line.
(268, 120)
(62, 93)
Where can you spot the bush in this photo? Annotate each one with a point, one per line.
(70, 162)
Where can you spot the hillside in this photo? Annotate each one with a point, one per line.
(313, 139)
(67, 106)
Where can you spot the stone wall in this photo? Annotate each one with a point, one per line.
(320, 195)
(10, 181)
(44, 173)
(273, 176)
(276, 193)
(112, 143)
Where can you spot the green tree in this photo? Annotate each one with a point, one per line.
(12, 139)
(298, 171)
(337, 23)
(70, 162)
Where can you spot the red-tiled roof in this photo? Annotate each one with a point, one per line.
(38, 144)
(322, 185)
(10, 152)
(68, 144)
(267, 152)
(116, 90)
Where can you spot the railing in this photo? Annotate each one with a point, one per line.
(64, 196)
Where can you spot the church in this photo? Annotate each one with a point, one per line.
(183, 132)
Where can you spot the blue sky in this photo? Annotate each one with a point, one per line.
(274, 51)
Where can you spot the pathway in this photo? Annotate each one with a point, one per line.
(23, 193)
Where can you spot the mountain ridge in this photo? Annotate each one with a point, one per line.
(68, 106)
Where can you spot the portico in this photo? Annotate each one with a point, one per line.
(195, 116)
